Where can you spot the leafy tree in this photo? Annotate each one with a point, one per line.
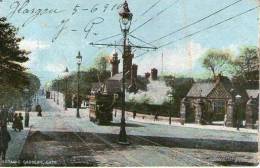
(243, 63)
(217, 61)
(102, 62)
(11, 56)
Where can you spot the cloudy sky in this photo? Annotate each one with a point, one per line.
(54, 31)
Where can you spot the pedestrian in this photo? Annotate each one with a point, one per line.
(134, 114)
(15, 121)
(4, 115)
(20, 122)
(11, 114)
(156, 116)
(4, 140)
(39, 110)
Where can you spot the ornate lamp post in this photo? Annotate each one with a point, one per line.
(238, 110)
(125, 24)
(79, 61)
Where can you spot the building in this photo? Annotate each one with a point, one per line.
(210, 99)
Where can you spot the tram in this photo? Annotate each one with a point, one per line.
(101, 108)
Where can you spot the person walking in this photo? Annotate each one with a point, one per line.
(134, 114)
(156, 116)
(20, 122)
(39, 110)
(5, 138)
(15, 122)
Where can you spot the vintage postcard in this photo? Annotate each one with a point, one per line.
(129, 83)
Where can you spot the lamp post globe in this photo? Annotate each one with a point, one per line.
(79, 59)
(125, 16)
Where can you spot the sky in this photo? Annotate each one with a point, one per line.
(54, 32)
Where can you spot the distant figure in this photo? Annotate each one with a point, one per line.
(4, 115)
(134, 114)
(15, 121)
(4, 140)
(39, 110)
(20, 122)
(11, 112)
(156, 116)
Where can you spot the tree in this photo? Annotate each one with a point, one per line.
(102, 62)
(217, 61)
(13, 78)
(243, 64)
(11, 56)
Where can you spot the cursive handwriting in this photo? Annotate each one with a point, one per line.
(89, 27)
(22, 8)
(61, 27)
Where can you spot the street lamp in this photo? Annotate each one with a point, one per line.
(238, 102)
(79, 61)
(58, 90)
(170, 96)
(27, 116)
(125, 24)
(65, 76)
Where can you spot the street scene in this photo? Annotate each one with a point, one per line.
(129, 83)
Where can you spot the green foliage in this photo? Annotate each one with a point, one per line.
(87, 78)
(217, 61)
(243, 63)
(102, 62)
(11, 56)
(13, 78)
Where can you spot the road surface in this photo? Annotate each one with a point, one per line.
(60, 139)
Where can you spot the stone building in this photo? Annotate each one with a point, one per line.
(206, 102)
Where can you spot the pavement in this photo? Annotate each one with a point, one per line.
(15, 146)
(176, 122)
(161, 144)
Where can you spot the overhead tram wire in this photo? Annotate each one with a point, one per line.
(137, 38)
(156, 3)
(115, 35)
(194, 23)
(207, 28)
(109, 37)
(158, 14)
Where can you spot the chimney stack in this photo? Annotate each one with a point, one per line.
(114, 61)
(154, 73)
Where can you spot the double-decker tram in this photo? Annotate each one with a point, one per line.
(101, 108)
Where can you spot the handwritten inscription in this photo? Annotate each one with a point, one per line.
(22, 8)
(26, 8)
